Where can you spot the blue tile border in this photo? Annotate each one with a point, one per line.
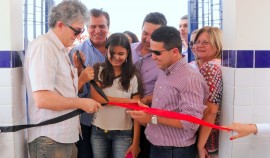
(5, 59)
(225, 58)
(262, 59)
(11, 59)
(246, 58)
(232, 58)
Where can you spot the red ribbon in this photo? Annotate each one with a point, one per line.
(168, 114)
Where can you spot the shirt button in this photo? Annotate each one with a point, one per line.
(160, 87)
(157, 99)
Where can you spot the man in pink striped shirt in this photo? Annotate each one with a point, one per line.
(179, 88)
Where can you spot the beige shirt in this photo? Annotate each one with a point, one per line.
(112, 117)
(47, 67)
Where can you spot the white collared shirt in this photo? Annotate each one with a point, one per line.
(48, 67)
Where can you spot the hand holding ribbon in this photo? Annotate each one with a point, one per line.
(167, 114)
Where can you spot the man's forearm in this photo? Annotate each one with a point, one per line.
(53, 101)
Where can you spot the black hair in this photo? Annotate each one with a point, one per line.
(133, 37)
(128, 70)
(156, 18)
(170, 37)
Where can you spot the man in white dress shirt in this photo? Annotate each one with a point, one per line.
(52, 83)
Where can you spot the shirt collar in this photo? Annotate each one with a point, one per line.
(57, 41)
(176, 66)
(138, 50)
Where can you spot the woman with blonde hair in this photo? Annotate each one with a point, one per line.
(208, 45)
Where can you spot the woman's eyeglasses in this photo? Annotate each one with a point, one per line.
(204, 43)
(76, 32)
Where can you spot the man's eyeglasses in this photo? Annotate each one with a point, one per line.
(76, 32)
(204, 43)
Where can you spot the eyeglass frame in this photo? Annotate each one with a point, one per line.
(76, 32)
(204, 43)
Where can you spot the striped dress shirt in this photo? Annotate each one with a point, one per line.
(181, 89)
(147, 68)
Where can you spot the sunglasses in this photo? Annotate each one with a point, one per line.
(76, 32)
(158, 52)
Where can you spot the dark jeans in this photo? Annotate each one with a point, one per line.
(45, 147)
(144, 145)
(172, 152)
(84, 145)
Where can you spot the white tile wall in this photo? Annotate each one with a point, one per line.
(6, 145)
(261, 78)
(249, 97)
(242, 114)
(6, 116)
(241, 150)
(228, 94)
(12, 112)
(251, 90)
(7, 149)
(262, 96)
(6, 96)
(13, 145)
(243, 96)
(244, 77)
(5, 79)
(260, 149)
(261, 114)
(226, 113)
(228, 76)
(225, 145)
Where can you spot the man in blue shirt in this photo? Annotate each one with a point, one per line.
(94, 51)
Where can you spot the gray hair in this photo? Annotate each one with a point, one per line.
(185, 17)
(68, 12)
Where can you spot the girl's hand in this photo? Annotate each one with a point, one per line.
(134, 149)
(86, 75)
(76, 61)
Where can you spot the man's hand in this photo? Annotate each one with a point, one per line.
(141, 116)
(147, 99)
(90, 105)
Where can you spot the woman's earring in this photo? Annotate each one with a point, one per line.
(126, 60)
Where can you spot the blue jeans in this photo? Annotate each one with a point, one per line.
(45, 147)
(110, 144)
(173, 152)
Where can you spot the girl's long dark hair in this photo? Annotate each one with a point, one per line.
(127, 69)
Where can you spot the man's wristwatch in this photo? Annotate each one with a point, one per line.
(154, 119)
